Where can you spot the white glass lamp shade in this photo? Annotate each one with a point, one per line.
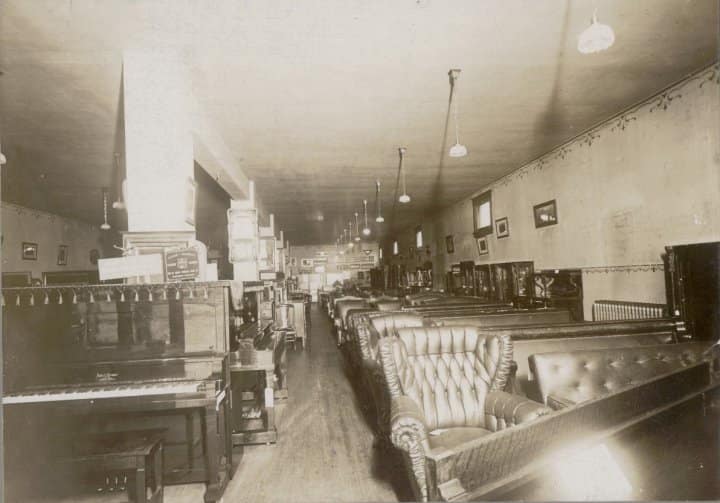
(366, 231)
(596, 37)
(404, 198)
(380, 219)
(458, 150)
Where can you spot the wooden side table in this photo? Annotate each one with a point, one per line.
(139, 452)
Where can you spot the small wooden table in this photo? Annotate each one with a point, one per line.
(139, 451)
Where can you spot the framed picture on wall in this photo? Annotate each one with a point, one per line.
(29, 251)
(482, 246)
(502, 228)
(449, 244)
(545, 214)
(307, 262)
(62, 255)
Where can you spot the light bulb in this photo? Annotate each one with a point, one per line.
(596, 37)
(366, 231)
(404, 198)
(458, 150)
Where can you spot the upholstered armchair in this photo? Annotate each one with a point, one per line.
(445, 386)
(369, 329)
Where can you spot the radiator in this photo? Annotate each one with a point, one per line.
(606, 310)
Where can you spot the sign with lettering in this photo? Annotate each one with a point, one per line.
(129, 266)
(181, 264)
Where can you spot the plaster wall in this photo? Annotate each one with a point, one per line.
(21, 224)
(626, 189)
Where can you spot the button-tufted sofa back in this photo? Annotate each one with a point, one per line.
(447, 371)
(370, 328)
(343, 306)
(386, 324)
(577, 376)
(387, 305)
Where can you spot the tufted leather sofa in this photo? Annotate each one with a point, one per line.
(567, 378)
(445, 386)
(342, 307)
(386, 305)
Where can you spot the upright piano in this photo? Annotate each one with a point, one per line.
(102, 358)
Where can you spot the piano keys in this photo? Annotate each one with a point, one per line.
(118, 358)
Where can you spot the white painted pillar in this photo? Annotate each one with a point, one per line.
(158, 141)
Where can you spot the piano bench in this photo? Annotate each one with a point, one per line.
(139, 451)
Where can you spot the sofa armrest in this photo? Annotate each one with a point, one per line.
(556, 402)
(409, 433)
(503, 410)
(407, 422)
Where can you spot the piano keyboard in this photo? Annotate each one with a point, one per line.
(97, 393)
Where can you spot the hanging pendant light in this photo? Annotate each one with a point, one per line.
(379, 219)
(596, 37)
(357, 227)
(456, 150)
(366, 229)
(404, 198)
(105, 226)
(349, 235)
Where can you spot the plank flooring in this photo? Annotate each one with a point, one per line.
(325, 447)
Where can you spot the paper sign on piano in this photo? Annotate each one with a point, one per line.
(130, 266)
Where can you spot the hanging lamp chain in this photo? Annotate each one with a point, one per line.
(453, 97)
(401, 150)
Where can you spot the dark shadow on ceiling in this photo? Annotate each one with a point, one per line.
(553, 118)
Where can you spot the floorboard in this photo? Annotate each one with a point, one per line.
(325, 447)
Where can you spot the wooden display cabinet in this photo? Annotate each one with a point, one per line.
(560, 288)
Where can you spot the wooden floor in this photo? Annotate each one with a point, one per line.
(325, 448)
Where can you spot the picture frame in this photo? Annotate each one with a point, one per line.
(449, 244)
(307, 263)
(62, 255)
(482, 246)
(190, 201)
(545, 214)
(502, 227)
(29, 251)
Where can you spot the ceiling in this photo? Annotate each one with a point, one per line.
(314, 98)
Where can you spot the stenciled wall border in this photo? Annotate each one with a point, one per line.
(619, 122)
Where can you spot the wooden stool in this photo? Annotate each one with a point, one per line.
(139, 451)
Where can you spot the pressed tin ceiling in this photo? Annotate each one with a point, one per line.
(315, 97)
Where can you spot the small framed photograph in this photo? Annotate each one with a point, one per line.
(502, 228)
(545, 214)
(62, 255)
(190, 201)
(482, 246)
(449, 244)
(307, 263)
(29, 251)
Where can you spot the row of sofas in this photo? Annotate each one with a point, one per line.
(431, 388)
(441, 394)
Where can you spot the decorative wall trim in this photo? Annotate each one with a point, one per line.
(624, 268)
(619, 122)
(22, 210)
